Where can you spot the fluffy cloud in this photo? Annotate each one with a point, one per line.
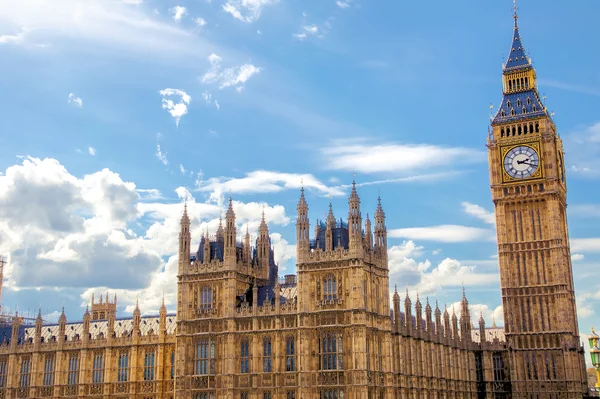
(91, 151)
(76, 101)
(13, 39)
(342, 4)
(284, 252)
(200, 21)
(263, 181)
(308, 30)
(246, 10)
(479, 212)
(176, 109)
(178, 12)
(395, 157)
(586, 245)
(444, 233)
(228, 77)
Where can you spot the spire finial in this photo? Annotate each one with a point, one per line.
(515, 11)
(396, 291)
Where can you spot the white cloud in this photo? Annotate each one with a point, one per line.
(114, 24)
(585, 245)
(283, 251)
(444, 233)
(308, 30)
(136, 2)
(200, 21)
(584, 210)
(91, 151)
(246, 10)
(76, 101)
(179, 109)
(227, 77)
(262, 181)
(13, 39)
(374, 158)
(436, 251)
(178, 12)
(209, 100)
(162, 156)
(577, 257)
(342, 4)
(479, 212)
(182, 169)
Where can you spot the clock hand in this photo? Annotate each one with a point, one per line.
(522, 162)
(527, 163)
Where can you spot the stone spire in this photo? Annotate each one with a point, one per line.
(428, 318)
(419, 315)
(207, 248)
(482, 336)
(230, 236)
(185, 240)
(465, 319)
(329, 244)
(380, 234)
(354, 223)
(368, 235)
(137, 318)
(86, 324)
(247, 246)
(162, 318)
(447, 328)
(396, 301)
(454, 325)
(438, 321)
(302, 229)
(408, 313)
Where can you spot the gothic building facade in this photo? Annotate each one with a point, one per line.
(331, 332)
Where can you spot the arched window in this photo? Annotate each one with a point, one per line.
(290, 354)
(206, 298)
(330, 288)
(205, 357)
(537, 127)
(502, 132)
(123, 368)
(149, 365)
(512, 112)
(518, 102)
(524, 110)
(267, 355)
(331, 351)
(172, 364)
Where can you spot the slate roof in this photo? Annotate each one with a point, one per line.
(123, 327)
(517, 57)
(518, 104)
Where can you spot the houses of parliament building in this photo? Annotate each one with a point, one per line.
(331, 332)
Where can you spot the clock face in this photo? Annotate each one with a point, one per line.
(521, 162)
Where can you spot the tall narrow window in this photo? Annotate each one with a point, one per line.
(149, 366)
(331, 351)
(3, 363)
(172, 364)
(290, 354)
(205, 357)
(244, 356)
(123, 367)
(206, 298)
(205, 395)
(73, 375)
(25, 372)
(48, 370)
(330, 288)
(290, 395)
(267, 355)
(332, 394)
(98, 370)
(267, 395)
(498, 363)
(244, 395)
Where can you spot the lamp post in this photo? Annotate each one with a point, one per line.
(594, 340)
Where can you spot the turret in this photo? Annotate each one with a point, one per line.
(137, 319)
(438, 322)
(380, 234)
(62, 325)
(220, 228)
(111, 324)
(16, 324)
(465, 320)
(482, 337)
(162, 318)
(368, 240)
(277, 296)
(302, 229)
(184, 242)
(454, 326)
(447, 329)
(329, 245)
(86, 325)
(354, 223)
(396, 301)
(419, 316)
(255, 296)
(206, 248)
(428, 319)
(408, 313)
(263, 247)
(230, 236)
(38, 327)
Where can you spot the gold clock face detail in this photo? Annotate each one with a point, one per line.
(521, 162)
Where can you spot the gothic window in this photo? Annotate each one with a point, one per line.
(290, 395)
(73, 375)
(512, 112)
(331, 351)
(479, 366)
(508, 104)
(205, 395)
(267, 355)
(206, 298)
(537, 127)
(332, 394)
(98, 370)
(290, 354)
(25, 372)
(528, 100)
(524, 110)
(518, 102)
(245, 356)
(503, 113)
(172, 364)
(267, 395)
(205, 357)
(244, 395)
(123, 367)
(3, 372)
(498, 363)
(527, 83)
(48, 370)
(330, 288)
(149, 365)
(534, 108)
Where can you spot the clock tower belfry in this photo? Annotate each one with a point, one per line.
(528, 186)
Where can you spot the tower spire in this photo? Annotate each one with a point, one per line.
(515, 11)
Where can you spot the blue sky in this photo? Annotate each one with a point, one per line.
(115, 112)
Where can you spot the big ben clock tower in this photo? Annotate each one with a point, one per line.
(529, 190)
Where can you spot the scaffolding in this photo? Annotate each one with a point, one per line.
(5, 318)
